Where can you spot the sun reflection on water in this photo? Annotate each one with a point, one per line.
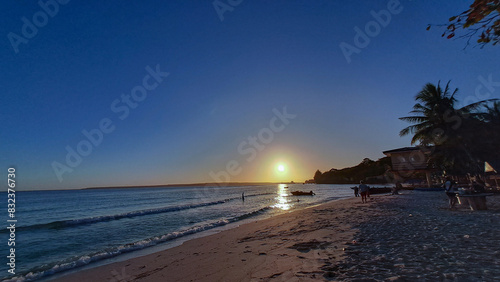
(282, 199)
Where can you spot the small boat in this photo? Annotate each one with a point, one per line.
(302, 193)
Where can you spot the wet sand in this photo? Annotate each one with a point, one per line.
(412, 236)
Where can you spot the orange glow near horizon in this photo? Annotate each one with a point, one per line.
(277, 164)
(281, 164)
(280, 171)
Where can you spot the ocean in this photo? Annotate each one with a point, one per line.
(65, 230)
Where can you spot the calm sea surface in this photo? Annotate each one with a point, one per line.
(64, 230)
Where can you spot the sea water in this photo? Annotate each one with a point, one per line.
(57, 231)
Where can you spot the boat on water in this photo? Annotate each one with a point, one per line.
(302, 193)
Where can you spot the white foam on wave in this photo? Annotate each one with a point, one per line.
(145, 243)
(96, 219)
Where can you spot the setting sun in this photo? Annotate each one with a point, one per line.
(281, 168)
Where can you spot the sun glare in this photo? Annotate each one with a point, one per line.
(281, 168)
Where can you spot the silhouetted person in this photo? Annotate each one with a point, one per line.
(450, 192)
(477, 187)
(396, 188)
(356, 191)
(363, 188)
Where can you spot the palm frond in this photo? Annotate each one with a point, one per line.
(414, 119)
(420, 107)
(405, 131)
(476, 105)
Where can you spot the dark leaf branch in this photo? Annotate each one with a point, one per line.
(481, 21)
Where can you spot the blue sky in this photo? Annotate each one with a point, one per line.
(225, 78)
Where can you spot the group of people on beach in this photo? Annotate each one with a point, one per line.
(450, 187)
(364, 190)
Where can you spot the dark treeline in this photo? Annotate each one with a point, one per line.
(464, 137)
(368, 170)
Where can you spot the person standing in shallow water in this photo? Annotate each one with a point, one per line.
(363, 189)
(450, 192)
(356, 191)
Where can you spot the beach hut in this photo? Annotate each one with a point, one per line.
(408, 161)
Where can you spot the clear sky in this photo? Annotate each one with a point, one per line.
(249, 87)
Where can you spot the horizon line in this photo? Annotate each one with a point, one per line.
(200, 184)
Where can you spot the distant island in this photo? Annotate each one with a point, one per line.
(372, 172)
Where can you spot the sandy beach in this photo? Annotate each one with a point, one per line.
(412, 236)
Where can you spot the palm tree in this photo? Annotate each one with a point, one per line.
(493, 128)
(437, 122)
(493, 113)
(436, 117)
(488, 131)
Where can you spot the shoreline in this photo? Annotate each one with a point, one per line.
(286, 240)
(407, 237)
(91, 249)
